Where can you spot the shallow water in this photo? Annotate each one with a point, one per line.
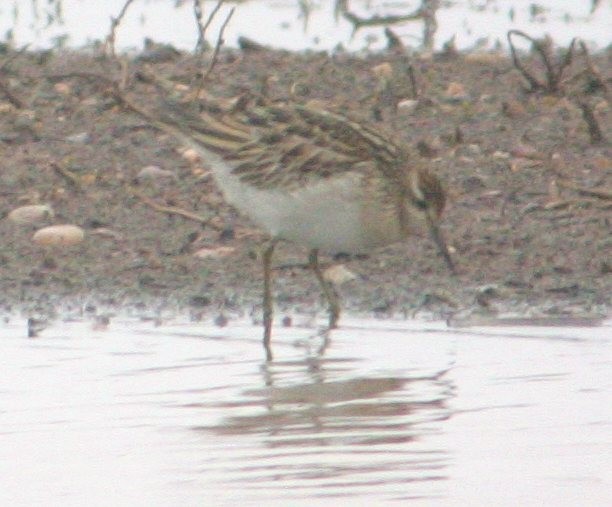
(190, 414)
(282, 24)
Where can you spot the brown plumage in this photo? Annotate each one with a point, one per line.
(313, 177)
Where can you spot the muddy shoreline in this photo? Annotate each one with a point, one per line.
(528, 237)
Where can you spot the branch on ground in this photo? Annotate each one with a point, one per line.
(426, 12)
(554, 69)
(202, 25)
(220, 41)
(109, 44)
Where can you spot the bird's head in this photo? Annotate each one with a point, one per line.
(426, 200)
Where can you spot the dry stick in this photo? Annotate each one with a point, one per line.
(218, 45)
(110, 40)
(592, 68)
(413, 81)
(198, 13)
(203, 27)
(123, 100)
(173, 210)
(162, 83)
(13, 57)
(212, 15)
(72, 178)
(595, 132)
(535, 84)
(554, 73)
(556, 80)
(305, 11)
(339, 7)
(359, 22)
(430, 24)
(426, 12)
(4, 88)
(393, 41)
(11, 97)
(599, 194)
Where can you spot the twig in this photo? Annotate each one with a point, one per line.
(592, 68)
(11, 97)
(126, 102)
(110, 40)
(199, 15)
(13, 57)
(359, 22)
(394, 43)
(174, 210)
(599, 194)
(535, 84)
(413, 82)
(93, 76)
(305, 11)
(72, 178)
(339, 7)
(203, 26)
(430, 23)
(212, 15)
(595, 132)
(565, 63)
(426, 12)
(4, 88)
(116, 91)
(218, 45)
(554, 71)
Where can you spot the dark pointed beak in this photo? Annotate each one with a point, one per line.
(436, 235)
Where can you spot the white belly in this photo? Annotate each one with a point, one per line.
(329, 215)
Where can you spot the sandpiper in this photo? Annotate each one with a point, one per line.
(311, 176)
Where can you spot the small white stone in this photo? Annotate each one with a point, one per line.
(339, 274)
(407, 105)
(501, 155)
(155, 173)
(59, 235)
(473, 149)
(191, 155)
(214, 253)
(383, 70)
(31, 214)
(80, 138)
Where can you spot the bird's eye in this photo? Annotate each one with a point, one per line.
(421, 204)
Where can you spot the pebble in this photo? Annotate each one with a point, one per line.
(513, 109)
(407, 105)
(31, 214)
(339, 274)
(63, 88)
(80, 138)
(501, 155)
(473, 149)
(191, 155)
(384, 70)
(59, 235)
(456, 92)
(155, 173)
(214, 253)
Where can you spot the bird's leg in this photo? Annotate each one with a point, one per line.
(267, 297)
(329, 292)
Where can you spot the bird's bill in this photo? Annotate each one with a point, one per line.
(436, 235)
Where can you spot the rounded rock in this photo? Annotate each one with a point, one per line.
(59, 235)
(30, 214)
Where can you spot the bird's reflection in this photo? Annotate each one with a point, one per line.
(316, 400)
(320, 425)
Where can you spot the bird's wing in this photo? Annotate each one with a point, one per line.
(283, 144)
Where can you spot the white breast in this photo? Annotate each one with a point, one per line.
(329, 215)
